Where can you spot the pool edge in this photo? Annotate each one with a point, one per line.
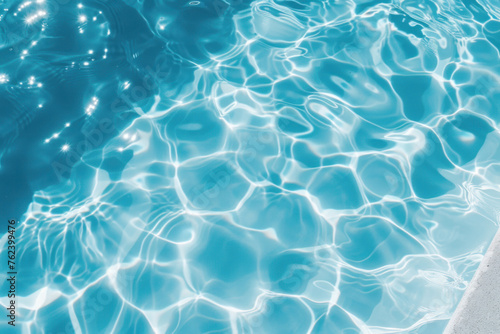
(478, 309)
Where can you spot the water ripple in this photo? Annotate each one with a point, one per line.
(248, 166)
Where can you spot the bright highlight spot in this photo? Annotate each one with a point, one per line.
(35, 17)
(4, 78)
(92, 106)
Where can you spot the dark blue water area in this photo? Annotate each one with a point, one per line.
(133, 50)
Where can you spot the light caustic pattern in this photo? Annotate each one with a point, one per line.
(250, 167)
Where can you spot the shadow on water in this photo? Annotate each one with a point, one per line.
(93, 81)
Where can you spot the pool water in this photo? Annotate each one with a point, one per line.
(233, 166)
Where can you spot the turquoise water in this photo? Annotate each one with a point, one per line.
(247, 166)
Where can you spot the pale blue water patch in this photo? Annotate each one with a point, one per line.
(247, 166)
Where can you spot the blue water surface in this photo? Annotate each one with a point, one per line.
(234, 166)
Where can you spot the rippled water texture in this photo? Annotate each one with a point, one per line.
(233, 166)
